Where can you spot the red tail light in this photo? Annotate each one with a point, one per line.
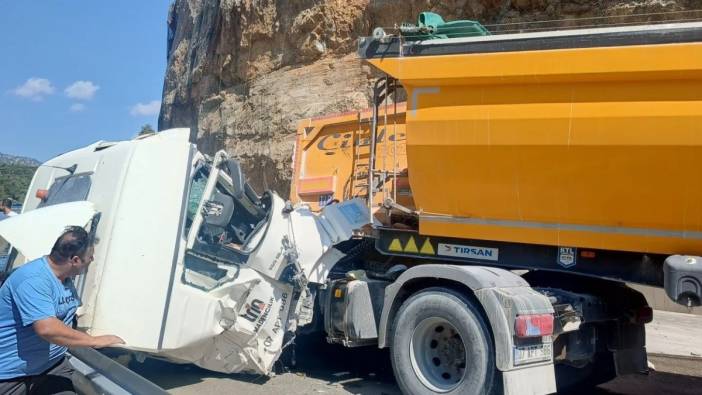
(534, 325)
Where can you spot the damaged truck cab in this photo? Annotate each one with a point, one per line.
(191, 264)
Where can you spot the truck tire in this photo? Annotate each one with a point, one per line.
(441, 344)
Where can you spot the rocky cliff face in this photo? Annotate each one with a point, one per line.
(242, 72)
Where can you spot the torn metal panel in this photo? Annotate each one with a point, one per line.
(266, 296)
(244, 328)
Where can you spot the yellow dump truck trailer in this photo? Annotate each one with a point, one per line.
(592, 147)
(586, 147)
(516, 183)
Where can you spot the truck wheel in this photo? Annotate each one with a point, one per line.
(441, 345)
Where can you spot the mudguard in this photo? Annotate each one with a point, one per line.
(503, 296)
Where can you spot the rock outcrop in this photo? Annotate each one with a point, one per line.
(242, 72)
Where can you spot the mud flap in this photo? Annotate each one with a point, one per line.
(502, 306)
(530, 380)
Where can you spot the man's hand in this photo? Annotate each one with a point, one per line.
(106, 340)
(55, 331)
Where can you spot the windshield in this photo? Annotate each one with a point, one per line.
(230, 214)
(67, 189)
(197, 189)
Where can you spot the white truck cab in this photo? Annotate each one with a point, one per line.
(191, 264)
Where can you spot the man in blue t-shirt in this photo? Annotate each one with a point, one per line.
(38, 303)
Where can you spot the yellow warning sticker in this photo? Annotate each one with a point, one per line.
(411, 246)
(427, 248)
(395, 246)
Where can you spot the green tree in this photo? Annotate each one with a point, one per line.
(14, 181)
(146, 129)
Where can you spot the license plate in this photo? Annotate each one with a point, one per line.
(533, 353)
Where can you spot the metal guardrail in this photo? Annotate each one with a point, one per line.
(3, 261)
(99, 374)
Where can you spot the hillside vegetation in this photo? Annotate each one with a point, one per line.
(14, 180)
(18, 160)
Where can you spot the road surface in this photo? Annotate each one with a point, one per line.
(674, 342)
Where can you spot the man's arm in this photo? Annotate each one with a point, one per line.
(55, 331)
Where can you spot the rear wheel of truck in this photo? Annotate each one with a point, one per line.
(441, 344)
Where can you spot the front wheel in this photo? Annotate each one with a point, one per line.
(441, 344)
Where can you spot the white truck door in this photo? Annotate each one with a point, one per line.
(33, 233)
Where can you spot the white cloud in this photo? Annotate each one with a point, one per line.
(77, 107)
(35, 89)
(144, 109)
(81, 90)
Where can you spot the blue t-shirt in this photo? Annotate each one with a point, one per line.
(32, 293)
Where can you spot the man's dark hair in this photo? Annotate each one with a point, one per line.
(7, 202)
(74, 241)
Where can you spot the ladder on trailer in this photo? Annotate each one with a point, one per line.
(366, 160)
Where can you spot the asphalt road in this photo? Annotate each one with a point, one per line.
(319, 368)
(673, 342)
(328, 369)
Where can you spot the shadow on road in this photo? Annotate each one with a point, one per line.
(675, 376)
(351, 369)
(368, 371)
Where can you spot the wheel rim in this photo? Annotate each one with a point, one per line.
(438, 354)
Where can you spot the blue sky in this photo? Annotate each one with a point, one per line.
(73, 72)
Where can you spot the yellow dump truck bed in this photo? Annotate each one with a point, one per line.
(596, 146)
(332, 155)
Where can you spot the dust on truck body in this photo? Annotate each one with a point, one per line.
(568, 157)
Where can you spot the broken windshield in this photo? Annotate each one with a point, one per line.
(222, 214)
(197, 189)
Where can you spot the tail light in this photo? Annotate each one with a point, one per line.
(534, 325)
